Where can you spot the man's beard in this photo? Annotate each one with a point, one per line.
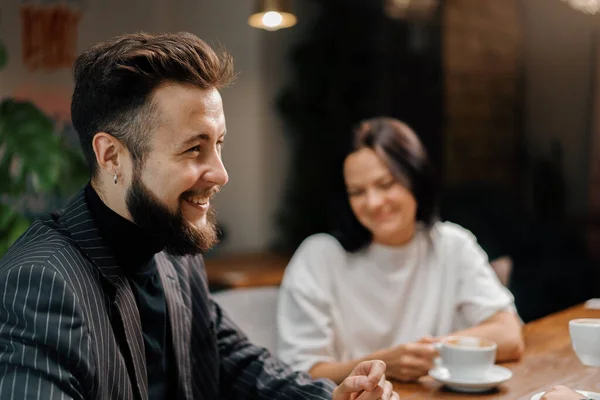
(181, 237)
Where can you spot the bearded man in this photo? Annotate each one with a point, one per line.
(108, 298)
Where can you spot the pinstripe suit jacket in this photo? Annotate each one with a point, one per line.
(70, 327)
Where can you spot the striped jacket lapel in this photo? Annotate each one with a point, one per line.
(83, 230)
(180, 320)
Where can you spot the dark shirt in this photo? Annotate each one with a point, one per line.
(56, 297)
(134, 248)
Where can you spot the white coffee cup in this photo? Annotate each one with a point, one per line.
(585, 338)
(467, 357)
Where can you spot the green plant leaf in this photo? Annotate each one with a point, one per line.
(19, 227)
(12, 225)
(7, 216)
(29, 141)
(32, 159)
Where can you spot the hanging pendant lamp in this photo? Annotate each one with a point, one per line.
(272, 15)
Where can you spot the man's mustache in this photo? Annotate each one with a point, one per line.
(207, 193)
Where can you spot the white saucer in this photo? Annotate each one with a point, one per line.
(589, 395)
(495, 376)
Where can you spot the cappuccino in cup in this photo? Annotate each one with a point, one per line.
(466, 357)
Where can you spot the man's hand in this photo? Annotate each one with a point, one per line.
(561, 393)
(366, 382)
(410, 361)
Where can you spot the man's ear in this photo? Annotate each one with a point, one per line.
(107, 149)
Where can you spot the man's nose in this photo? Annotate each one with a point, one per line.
(217, 173)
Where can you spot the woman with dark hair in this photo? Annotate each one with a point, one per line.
(394, 279)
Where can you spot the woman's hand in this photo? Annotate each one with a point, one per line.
(410, 361)
(561, 393)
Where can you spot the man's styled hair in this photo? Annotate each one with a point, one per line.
(403, 153)
(114, 82)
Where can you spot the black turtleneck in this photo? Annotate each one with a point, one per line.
(134, 249)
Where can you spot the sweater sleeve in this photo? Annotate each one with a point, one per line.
(304, 317)
(480, 292)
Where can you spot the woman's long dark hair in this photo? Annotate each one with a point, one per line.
(402, 151)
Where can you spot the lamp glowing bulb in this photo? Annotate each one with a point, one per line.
(272, 19)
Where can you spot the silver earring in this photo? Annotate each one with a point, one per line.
(115, 179)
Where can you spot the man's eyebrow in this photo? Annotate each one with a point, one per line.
(199, 137)
(205, 137)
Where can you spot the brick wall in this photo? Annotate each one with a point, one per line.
(482, 72)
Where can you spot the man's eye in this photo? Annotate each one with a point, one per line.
(195, 149)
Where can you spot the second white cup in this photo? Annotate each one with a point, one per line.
(585, 338)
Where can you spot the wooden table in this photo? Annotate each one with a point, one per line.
(549, 360)
(245, 270)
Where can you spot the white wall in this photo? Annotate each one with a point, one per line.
(255, 153)
(559, 51)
